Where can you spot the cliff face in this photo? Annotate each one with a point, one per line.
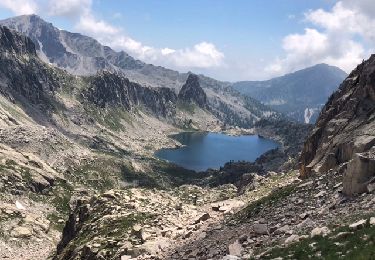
(108, 89)
(191, 92)
(344, 134)
(16, 43)
(21, 72)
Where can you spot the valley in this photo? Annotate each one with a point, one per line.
(79, 128)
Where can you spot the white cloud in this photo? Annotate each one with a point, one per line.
(338, 38)
(310, 41)
(69, 8)
(346, 18)
(167, 51)
(201, 55)
(88, 24)
(366, 7)
(20, 7)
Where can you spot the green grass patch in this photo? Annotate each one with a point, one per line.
(109, 117)
(186, 107)
(360, 246)
(54, 218)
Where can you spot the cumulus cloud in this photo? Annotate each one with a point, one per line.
(201, 55)
(92, 26)
(20, 7)
(335, 37)
(69, 8)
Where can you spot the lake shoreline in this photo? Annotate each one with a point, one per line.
(206, 150)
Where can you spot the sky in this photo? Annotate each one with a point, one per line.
(229, 40)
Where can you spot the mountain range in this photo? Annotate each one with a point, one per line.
(299, 95)
(82, 55)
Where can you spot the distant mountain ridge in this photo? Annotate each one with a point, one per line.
(299, 95)
(83, 55)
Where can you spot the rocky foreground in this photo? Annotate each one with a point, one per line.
(276, 216)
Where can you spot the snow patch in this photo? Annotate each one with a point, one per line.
(276, 102)
(309, 112)
(41, 54)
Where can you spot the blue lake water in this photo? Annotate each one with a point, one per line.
(211, 150)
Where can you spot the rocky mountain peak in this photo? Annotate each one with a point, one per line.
(192, 92)
(13, 42)
(344, 136)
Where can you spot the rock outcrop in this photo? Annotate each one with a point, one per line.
(109, 89)
(11, 41)
(359, 173)
(191, 92)
(21, 72)
(344, 131)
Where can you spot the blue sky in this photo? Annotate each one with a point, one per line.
(226, 39)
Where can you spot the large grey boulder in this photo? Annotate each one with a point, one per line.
(361, 169)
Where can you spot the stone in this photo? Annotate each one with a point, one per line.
(358, 173)
(19, 205)
(96, 245)
(21, 232)
(201, 218)
(201, 235)
(320, 231)
(260, 229)
(342, 235)
(109, 194)
(284, 230)
(358, 225)
(235, 248)
(215, 207)
(320, 194)
(292, 239)
(242, 238)
(304, 215)
(372, 221)
(231, 257)
(225, 209)
(137, 231)
(178, 206)
(371, 187)
(126, 257)
(145, 236)
(188, 234)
